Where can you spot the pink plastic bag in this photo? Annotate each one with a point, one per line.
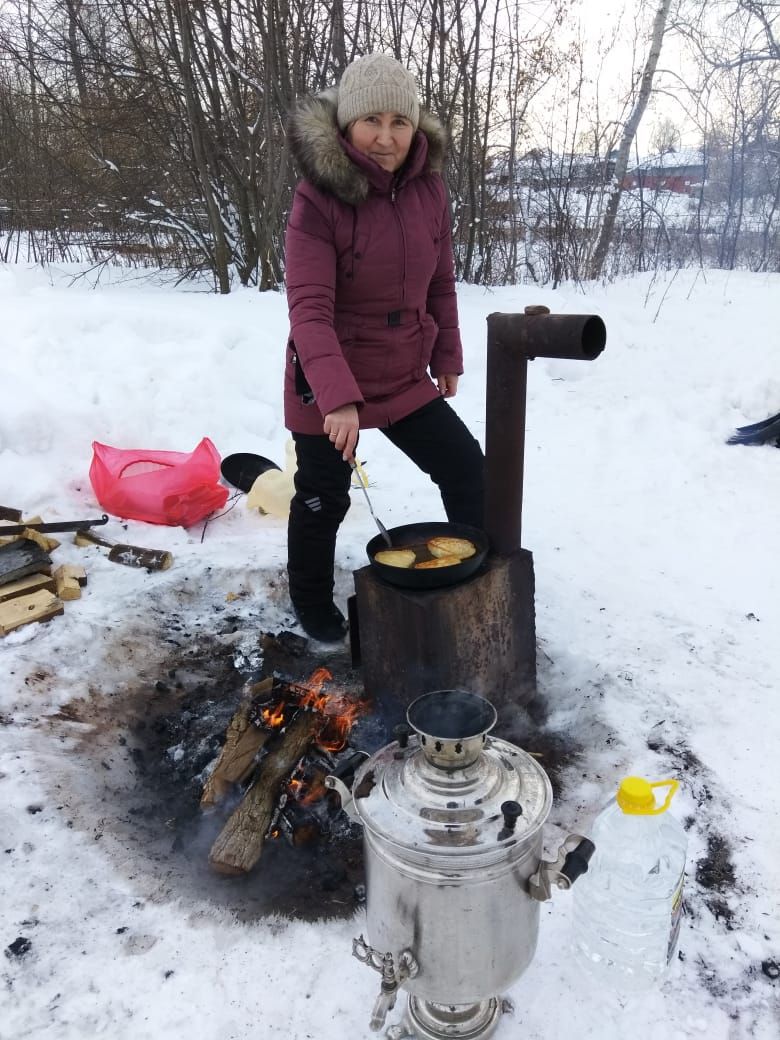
(159, 487)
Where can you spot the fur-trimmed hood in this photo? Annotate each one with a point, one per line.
(316, 145)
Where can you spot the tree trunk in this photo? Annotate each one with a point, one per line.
(221, 254)
(629, 133)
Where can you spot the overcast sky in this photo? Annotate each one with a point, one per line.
(615, 40)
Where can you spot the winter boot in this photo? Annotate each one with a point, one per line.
(323, 622)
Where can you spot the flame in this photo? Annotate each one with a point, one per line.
(273, 718)
(311, 691)
(311, 793)
(341, 717)
(306, 786)
(338, 711)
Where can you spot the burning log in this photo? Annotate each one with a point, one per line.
(239, 845)
(298, 824)
(243, 741)
(281, 800)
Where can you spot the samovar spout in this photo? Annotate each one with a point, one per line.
(392, 977)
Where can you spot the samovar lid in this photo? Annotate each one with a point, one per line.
(448, 787)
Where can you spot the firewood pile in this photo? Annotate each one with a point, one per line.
(281, 743)
(32, 587)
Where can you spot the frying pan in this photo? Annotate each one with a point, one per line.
(242, 469)
(415, 536)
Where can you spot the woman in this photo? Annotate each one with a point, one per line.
(374, 339)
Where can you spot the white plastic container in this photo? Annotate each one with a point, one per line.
(272, 491)
(628, 906)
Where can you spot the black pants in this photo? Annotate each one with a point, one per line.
(434, 437)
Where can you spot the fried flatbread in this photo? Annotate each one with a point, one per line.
(396, 557)
(444, 545)
(437, 561)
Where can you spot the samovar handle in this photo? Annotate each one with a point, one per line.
(572, 862)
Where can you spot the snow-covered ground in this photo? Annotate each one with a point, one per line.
(658, 620)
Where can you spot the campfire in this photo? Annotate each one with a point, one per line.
(336, 710)
(282, 742)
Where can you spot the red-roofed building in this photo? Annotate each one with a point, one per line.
(681, 172)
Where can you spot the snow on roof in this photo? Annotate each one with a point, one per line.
(672, 160)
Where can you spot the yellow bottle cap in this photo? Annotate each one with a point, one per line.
(636, 796)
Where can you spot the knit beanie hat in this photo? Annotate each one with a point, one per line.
(377, 83)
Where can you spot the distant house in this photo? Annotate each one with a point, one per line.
(540, 168)
(681, 172)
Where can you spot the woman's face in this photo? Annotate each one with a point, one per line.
(385, 137)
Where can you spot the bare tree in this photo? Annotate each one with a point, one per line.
(154, 131)
(627, 138)
(738, 96)
(665, 138)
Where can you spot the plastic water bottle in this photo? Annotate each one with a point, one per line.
(628, 906)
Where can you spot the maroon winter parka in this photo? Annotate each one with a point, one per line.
(369, 274)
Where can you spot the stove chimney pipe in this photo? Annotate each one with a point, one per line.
(514, 340)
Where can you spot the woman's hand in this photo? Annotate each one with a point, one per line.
(448, 385)
(342, 426)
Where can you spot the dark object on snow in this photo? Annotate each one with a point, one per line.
(61, 525)
(20, 558)
(322, 622)
(129, 555)
(758, 433)
(242, 469)
(19, 947)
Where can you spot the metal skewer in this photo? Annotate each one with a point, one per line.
(382, 529)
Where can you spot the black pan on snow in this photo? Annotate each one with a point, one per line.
(242, 469)
(414, 536)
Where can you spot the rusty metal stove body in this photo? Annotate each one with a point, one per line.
(452, 832)
(481, 634)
